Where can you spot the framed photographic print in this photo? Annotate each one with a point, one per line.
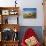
(29, 12)
(5, 12)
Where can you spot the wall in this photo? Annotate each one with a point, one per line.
(7, 3)
(27, 4)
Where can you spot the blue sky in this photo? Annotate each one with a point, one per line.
(30, 10)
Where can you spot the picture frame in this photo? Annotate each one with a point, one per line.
(29, 13)
(13, 12)
(5, 12)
